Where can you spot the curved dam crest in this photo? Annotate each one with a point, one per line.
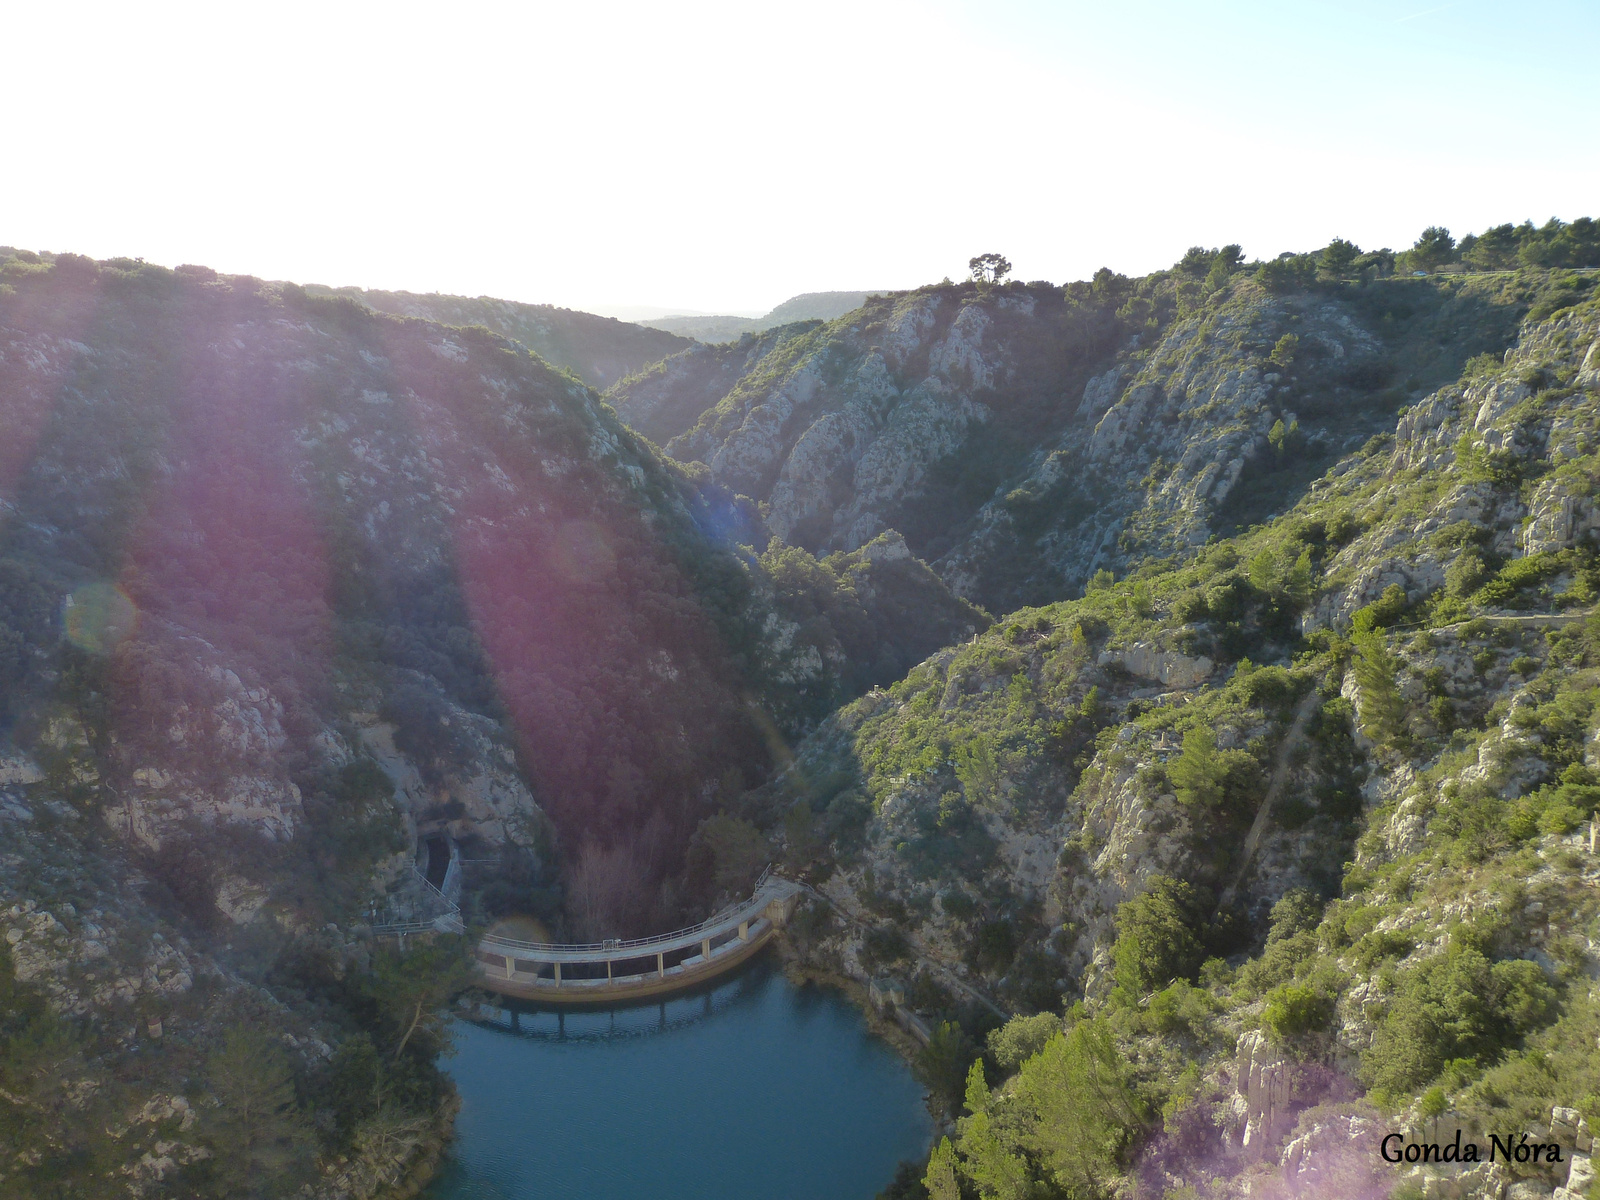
(617, 971)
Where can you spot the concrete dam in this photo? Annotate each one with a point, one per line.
(553, 973)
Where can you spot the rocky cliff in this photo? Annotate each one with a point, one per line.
(1022, 437)
(1273, 816)
(299, 605)
(1321, 791)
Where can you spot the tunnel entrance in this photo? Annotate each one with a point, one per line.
(436, 849)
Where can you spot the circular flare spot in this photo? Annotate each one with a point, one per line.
(98, 617)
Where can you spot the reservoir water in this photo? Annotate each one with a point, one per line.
(756, 1088)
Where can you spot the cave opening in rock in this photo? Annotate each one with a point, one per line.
(437, 859)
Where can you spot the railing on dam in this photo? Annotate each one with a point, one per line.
(566, 973)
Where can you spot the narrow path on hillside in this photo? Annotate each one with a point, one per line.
(1282, 765)
(1529, 620)
(1281, 769)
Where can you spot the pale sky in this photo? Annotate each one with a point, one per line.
(724, 156)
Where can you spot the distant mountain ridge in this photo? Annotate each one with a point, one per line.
(808, 306)
(598, 350)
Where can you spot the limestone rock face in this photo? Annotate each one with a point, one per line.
(1570, 1128)
(1497, 411)
(1589, 373)
(847, 431)
(1330, 1153)
(1168, 666)
(1156, 447)
(481, 800)
(19, 768)
(1126, 444)
(1557, 519)
(1263, 1084)
(1580, 1175)
(93, 960)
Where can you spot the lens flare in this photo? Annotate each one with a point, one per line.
(582, 554)
(98, 617)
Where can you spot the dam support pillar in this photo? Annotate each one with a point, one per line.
(744, 931)
(705, 949)
(557, 966)
(661, 964)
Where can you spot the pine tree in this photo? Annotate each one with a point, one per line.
(1299, 584)
(257, 1132)
(1082, 1107)
(1198, 772)
(941, 1177)
(989, 1156)
(1382, 712)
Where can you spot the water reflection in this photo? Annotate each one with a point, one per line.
(751, 1088)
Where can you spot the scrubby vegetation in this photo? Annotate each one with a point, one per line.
(1279, 766)
(598, 350)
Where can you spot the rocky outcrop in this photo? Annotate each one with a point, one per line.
(480, 800)
(1558, 518)
(1263, 1091)
(862, 422)
(1160, 444)
(1149, 661)
(839, 429)
(235, 516)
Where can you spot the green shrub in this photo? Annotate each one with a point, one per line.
(1020, 1038)
(958, 904)
(1199, 771)
(1382, 711)
(1180, 1008)
(1157, 940)
(1287, 273)
(1516, 576)
(1465, 574)
(886, 944)
(1294, 1010)
(994, 945)
(944, 1062)
(1385, 610)
(1458, 1005)
(1382, 944)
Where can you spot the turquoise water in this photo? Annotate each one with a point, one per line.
(754, 1090)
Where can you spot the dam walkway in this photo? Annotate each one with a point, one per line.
(609, 971)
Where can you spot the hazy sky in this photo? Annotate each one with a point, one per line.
(724, 156)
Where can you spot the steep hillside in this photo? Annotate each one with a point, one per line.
(1268, 809)
(668, 397)
(711, 329)
(1223, 422)
(851, 622)
(290, 588)
(808, 306)
(836, 425)
(1297, 826)
(1022, 437)
(598, 350)
(299, 603)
